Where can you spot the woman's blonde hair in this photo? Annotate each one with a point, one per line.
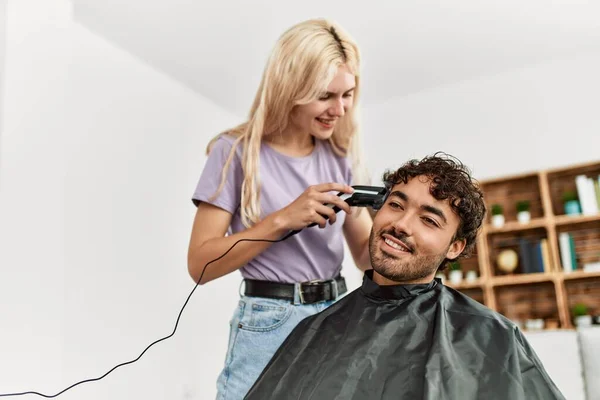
(299, 70)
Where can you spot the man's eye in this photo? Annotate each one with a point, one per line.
(395, 205)
(430, 221)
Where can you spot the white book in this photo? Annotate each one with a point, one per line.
(592, 267)
(585, 197)
(592, 194)
(565, 252)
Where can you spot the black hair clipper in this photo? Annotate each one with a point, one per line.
(363, 196)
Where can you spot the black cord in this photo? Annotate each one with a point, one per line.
(159, 340)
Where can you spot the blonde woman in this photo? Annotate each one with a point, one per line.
(273, 174)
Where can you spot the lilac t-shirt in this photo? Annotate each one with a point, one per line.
(313, 253)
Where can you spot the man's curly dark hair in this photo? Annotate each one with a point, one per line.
(451, 180)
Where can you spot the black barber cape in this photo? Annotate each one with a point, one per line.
(405, 342)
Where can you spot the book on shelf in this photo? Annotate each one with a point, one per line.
(588, 191)
(592, 267)
(535, 255)
(567, 252)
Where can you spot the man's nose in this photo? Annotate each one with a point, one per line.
(404, 224)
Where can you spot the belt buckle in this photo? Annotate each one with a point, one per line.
(334, 287)
(317, 282)
(309, 283)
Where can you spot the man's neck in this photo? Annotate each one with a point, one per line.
(383, 281)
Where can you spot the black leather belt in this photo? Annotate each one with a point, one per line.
(309, 292)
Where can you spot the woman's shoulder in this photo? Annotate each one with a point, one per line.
(333, 150)
(338, 159)
(228, 137)
(334, 154)
(223, 141)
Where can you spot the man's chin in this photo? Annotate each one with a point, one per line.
(382, 277)
(399, 272)
(389, 268)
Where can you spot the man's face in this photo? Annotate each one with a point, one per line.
(412, 234)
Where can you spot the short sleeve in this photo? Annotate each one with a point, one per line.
(348, 173)
(210, 179)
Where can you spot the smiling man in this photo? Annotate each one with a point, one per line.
(403, 334)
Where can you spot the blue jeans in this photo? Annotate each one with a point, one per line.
(258, 327)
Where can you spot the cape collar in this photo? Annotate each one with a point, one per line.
(394, 292)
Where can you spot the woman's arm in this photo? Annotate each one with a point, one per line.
(208, 240)
(357, 230)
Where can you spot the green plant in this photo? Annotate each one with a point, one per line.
(454, 266)
(569, 195)
(579, 310)
(497, 209)
(522, 205)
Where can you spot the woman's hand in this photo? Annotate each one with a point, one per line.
(310, 207)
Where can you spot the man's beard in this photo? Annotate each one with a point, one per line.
(414, 267)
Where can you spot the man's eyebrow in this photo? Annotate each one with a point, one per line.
(436, 211)
(428, 208)
(401, 195)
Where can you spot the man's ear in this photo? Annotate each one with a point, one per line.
(456, 248)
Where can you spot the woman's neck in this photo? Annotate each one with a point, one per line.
(293, 143)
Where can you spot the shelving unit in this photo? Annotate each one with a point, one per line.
(549, 295)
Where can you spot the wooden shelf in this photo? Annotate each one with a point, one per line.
(551, 294)
(579, 275)
(503, 179)
(521, 279)
(478, 284)
(550, 330)
(561, 220)
(515, 226)
(573, 167)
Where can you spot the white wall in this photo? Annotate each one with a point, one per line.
(2, 62)
(100, 155)
(536, 117)
(31, 206)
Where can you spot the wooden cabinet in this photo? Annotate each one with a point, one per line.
(545, 285)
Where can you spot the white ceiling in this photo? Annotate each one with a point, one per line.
(219, 48)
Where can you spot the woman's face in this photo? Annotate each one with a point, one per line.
(320, 117)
